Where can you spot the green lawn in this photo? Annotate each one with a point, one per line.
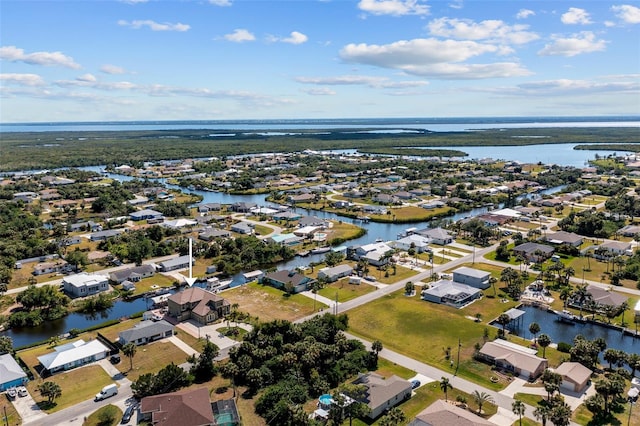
(194, 342)
(428, 329)
(75, 387)
(151, 358)
(529, 398)
(345, 291)
(96, 418)
(387, 368)
(401, 274)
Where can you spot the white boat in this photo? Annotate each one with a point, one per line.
(320, 250)
(565, 316)
(215, 284)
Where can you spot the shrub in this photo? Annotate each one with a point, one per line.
(564, 347)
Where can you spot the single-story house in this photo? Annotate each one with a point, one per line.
(242, 207)
(105, 235)
(601, 297)
(209, 207)
(145, 332)
(383, 394)
(72, 355)
(435, 204)
(563, 237)
(451, 293)
(286, 215)
(146, 214)
(473, 277)
(84, 284)
(629, 230)
(285, 278)
(179, 223)
(286, 239)
(441, 413)
(575, 376)
(335, 273)
(514, 358)
(533, 252)
(188, 407)
(242, 228)
(616, 247)
(211, 234)
(312, 221)
(198, 304)
(374, 253)
(11, 374)
(181, 262)
(419, 243)
(436, 235)
(306, 231)
(49, 267)
(133, 274)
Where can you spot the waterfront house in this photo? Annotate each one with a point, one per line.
(209, 207)
(84, 284)
(290, 281)
(181, 262)
(242, 207)
(188, 407)
(133, 274)
(335, 273)
(382, 394)
(418, 242)
(11, 374)
(575, 376)
(514, 358)
(473, 277)
(441, 413)
(146, 332)
(197, 304)
(72, 355)
(436, 235)
(375, 253)
(601, 298)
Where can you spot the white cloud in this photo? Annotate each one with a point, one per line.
(220, 2)
(133, 1)
(14, 54)
(609, 24)
(577, 87)
(112, 69)
(294, 38)
(394, 7)
(240, 35)
(576, 16)
(22, 79)
(583, 42)
(432, 58)
(320, 91)
(154, 26)
(358, 80)
(87, 77)
(491, 30)
(456, 4)
(627, 13)
(525, 13)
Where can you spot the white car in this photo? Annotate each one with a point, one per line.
(12, 393)
(22, 391)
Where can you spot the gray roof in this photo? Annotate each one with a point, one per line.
(531, 248)
(9, 369)
(145, 212)
(172, 263)
(128, 272)
(471, 272)
(145, 329)
(340, 269)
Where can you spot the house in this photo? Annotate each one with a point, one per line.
(181, 262)
(133, 274)
(616, 247)
(146, 332)
(601, 297)
(84, 284)
(451, 293)
(209, 207)
(575, 376)
(286, 239)
(375, 254)
(290, 281)
(441, 413)
(26, 196)
(473, 277)
(72, 355)
(11, 374)
(629, 230)
(188, 407)
(211, 234)
(418, 242)
(533, 252)
(435, 204)
(335, 273)
(436, 235)
(179, 223)
(562, 237)
(49, 267)
(198, 304)
(105, 235)
(286, 215)
(383, 394)
(242, 207)
(242, 228)
(306, 231)
(514, 358)
(146, 214)
(312, 221)
(301, 198)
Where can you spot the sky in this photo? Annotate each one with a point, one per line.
(107, 60)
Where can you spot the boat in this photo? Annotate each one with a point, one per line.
(379, 240)
(565, 316)
(303, 253)
(215, 284)
(320, 250)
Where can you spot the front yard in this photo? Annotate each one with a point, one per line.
(345, 291)
(151, 358)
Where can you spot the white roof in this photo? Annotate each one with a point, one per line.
(71, 352)
(507, 212)
(9, 369)
(179, 223)
(307, 230)
(83, 279)
(637, 308)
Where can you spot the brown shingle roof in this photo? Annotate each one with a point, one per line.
(190, 407)
(441, 413)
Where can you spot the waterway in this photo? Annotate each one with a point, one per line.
(564, 155)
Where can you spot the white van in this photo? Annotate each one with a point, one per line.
(106, 392)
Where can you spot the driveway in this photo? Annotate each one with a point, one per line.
(28, 409)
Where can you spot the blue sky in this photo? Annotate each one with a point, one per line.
(88, 60)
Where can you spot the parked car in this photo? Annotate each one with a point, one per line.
(106, 392)
(415, 384)
(128, 413)
(22, 391)
(12, 393)
(114, 359)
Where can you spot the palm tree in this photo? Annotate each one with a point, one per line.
(534, 328)
(544, 341)
(492, 282)
(518, 409)
(623, 308)
(445, 386)
(542, 413)
(568, 273)
(503, 320)
(50, 390)
(581, 296)
(481, 398)
(129, 350)
(376, 346)
(633, 361)
(565, 294)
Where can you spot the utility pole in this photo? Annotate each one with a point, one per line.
(458, 361)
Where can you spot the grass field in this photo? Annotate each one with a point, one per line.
(428, 329)
(345, 291)
(75, 387)
(12, 416)
(268, 303)
(151, 358)
(96, 418)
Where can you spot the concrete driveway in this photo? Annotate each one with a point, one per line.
(28, 409)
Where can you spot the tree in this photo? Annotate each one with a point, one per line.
(445, 386)
(481, 398)
(518, 409)
(409, 287)
(129, 350)
(503, 320)
(633, 361)
(544, 341)
(551, 381)
(542, 413)
(50, 390)
(394, 417)
(581, 296)
(6, 344)
(534, 328)
(560, 414)
(376, 346)
(203, 368)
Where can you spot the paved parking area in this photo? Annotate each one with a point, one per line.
(28, 409)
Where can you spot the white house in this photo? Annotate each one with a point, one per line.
(420, 243)
(84, 284)
(335, 273)
(72, 355)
